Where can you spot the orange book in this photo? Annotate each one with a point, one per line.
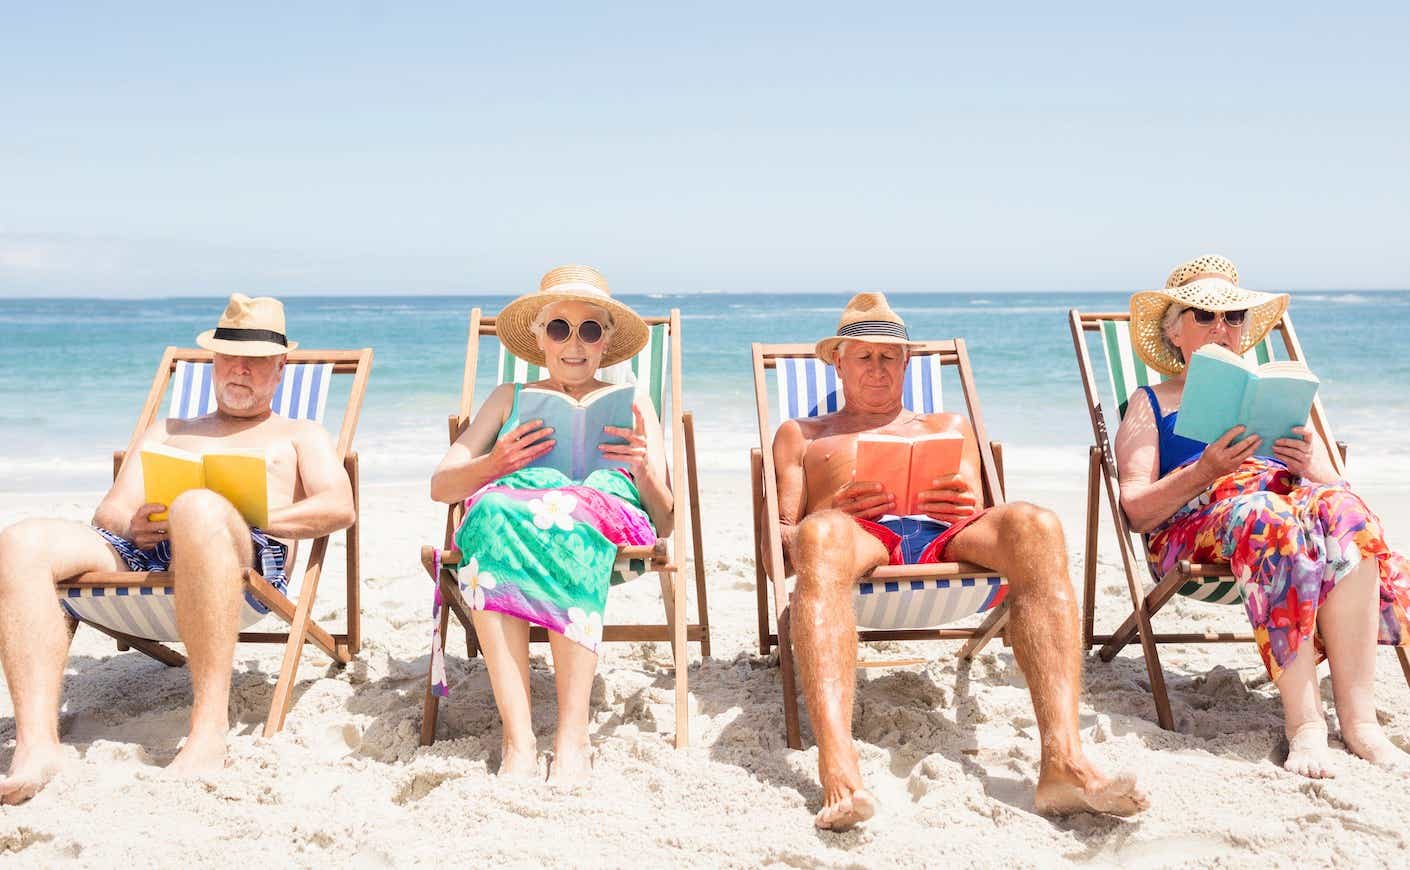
(906, 466)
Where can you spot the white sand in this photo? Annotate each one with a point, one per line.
(951, 753)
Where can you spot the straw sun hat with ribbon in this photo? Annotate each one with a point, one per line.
(249, 327)
(1210, 283)
(867, 318)
(571, 284)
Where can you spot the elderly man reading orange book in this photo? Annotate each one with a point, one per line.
(838, 527)
(200, 537)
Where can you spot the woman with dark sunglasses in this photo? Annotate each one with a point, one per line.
(538, 547)
(1310, 558)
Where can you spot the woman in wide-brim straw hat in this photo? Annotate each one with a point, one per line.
(539, 546)
(1310, 558)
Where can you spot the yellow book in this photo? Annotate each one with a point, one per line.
(238, 474)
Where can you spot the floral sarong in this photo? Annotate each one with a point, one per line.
(539, 547)
(1287, 544)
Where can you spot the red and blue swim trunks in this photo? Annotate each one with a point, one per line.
(916, 540)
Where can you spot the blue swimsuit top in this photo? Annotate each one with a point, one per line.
(1175, 450)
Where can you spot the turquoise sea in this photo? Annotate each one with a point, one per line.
(74, 372)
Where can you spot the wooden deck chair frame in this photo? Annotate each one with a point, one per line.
(768, 536)
(298, 614)
(666, 557)
(1101, 472)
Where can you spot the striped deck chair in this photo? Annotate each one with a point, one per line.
(654, 370)
(893, 602)
(1210, 583)
(138, 609)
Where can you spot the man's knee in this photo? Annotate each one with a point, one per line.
(1029, 522)
(199, 511)
(823, 547)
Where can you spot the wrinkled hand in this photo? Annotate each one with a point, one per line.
(863, 499)
(143, 530)
(949, 501)
(1295, 453)
(520, 446)
(1223, 456)
(634, 456)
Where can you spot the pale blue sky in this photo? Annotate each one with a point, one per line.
(161, 149)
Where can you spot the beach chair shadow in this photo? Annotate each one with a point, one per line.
(655, 369)
(1210, 583)
(905, 603)
(137, 609)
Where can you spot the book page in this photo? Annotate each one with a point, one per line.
(885, 459)
(168, 472)
(578, 425)
(242, 477)
(1213, 396)
(1275, 405)
(932, 456)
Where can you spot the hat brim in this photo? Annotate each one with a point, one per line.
(242, 348)
(825, 348)
(513, 326)
(1148, 311)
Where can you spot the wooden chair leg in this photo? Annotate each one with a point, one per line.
(668, 602)
(1404, 662)
(761, 579)
(431, 705)
(697, 546)
(1089, 568)
(994, 623)
(792, 731)
(159, 651)
(682, 659)
(293, 649)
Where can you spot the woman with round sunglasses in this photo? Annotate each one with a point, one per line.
(1311, 560)
(539, 547)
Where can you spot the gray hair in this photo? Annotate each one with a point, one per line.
(1168, 320)
(842, 347)
(609, 323)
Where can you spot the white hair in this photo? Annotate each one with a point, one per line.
(1168, 324)
(608, 322)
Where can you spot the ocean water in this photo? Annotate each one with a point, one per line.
(74, 372)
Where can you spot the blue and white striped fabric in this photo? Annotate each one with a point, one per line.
(808, 387)
(301, 395)
(150, 611)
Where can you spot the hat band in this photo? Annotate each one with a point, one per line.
(225, 333)
(1205, 276)
(577, 287)
(884, 328)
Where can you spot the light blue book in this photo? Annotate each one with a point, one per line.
(1223, 390)
(578, 425)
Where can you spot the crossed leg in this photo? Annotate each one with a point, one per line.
(1025, 543)
(34, 639)
(210, 548)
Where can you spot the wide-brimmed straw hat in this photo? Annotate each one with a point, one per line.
(867, 318)
(249, 327)
(1211, 283)
(571, 284)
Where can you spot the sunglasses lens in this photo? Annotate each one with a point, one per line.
(590, 331)
(558, 330)
(1235, 318)
(1202, 317)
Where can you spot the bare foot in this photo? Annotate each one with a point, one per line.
(517, 763)
(844, 808)
(1081, 788)
(1307, 752)
(30, 771)
(200, 755)
(572, 765)
(1366, 740)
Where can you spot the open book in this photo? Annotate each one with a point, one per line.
(236, 473)
(1223, 390)
(907, 466)
(577, 425)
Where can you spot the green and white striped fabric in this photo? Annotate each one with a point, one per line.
(647, 370)
(1129, 372)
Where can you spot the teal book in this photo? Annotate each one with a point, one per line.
(578, 425)
(1224, 390)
